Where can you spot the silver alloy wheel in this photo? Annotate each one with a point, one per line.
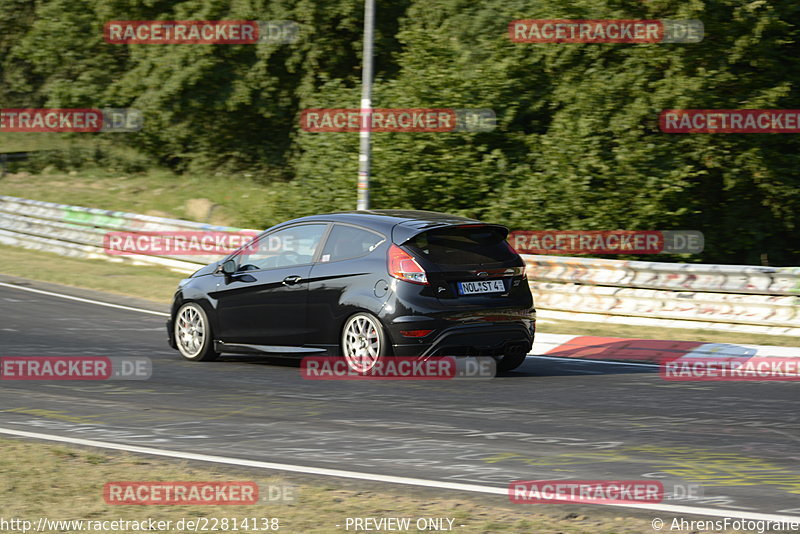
(190, 331)
(361, 343)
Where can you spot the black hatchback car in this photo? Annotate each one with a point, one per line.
(364, 285)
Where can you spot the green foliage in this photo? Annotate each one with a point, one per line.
(577, 143)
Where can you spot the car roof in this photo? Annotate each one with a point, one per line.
(402, 224)
(391, 217)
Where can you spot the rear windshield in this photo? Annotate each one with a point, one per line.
(463, 246)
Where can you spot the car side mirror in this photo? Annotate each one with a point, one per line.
(228, 267)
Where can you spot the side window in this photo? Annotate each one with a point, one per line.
(291, 246)
(346, 242)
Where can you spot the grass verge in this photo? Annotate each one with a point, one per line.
(66, 483)
(151, 283)
(226, 200)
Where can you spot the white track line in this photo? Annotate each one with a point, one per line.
(675, 509)
(349, 474)
(79, 299)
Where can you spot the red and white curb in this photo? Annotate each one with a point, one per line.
(652, 351)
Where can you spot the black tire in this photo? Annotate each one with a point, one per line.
(509, 363)
(193, 335)
(360, 333)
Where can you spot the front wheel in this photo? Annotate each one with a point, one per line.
(193, 334)
(364, 343)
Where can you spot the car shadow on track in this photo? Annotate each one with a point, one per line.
(536, 366)
(258, 359)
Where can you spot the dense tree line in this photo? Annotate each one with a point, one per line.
(577, 143)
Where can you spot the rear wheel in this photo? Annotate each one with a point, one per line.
(364, 343)
(193, 334)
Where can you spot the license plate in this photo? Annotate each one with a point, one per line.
(484, 286)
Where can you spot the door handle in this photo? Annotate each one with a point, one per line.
(291, 280)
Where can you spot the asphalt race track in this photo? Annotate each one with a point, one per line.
(550, 419)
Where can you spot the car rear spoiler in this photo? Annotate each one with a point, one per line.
(403, 232)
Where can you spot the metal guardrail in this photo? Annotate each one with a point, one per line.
(78, 232)
(724, 297)
(760, 299)
(673, 276)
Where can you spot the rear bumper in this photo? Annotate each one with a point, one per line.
(472, 340)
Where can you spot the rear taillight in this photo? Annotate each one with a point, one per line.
(403, 266)
(415, 333)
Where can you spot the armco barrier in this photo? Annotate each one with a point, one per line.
(721, 297)
(766, 310)
(672, 276)
(78, 232)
